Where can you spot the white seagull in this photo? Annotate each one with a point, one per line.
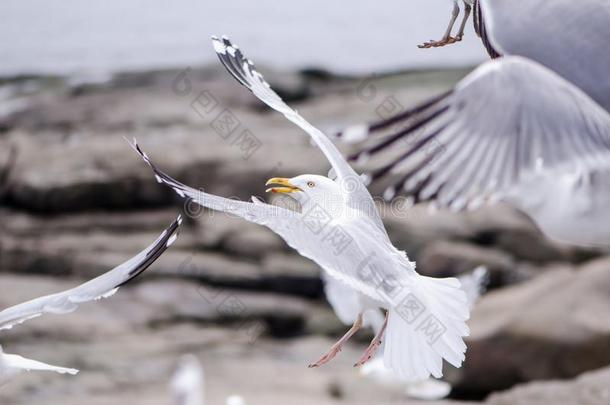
(11, 365)
(187, 384)
(103, 286)
(569, 37)
(340, 229)
(511, 130)
(447, 38)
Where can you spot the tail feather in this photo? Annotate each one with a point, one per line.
(427, 327)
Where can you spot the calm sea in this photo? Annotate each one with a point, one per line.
(98, 37)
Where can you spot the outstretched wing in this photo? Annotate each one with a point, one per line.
(103, 286)
(312, 236)
(357, 195)
(21, 363)
(508, 120)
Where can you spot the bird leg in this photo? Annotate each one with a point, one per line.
(375, 344)
(467, 10)
(336, 348)
(447, 38)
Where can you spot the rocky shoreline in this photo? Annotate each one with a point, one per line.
(75, 200)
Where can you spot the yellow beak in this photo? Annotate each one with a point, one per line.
(287, 187)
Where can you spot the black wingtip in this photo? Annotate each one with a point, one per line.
(167, 238)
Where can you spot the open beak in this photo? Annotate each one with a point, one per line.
(285, 183)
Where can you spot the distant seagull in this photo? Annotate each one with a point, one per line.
(340, 229)
(345, 304)
(511, 130)
(235, 400)
(188, 384)
(569, 37)
(447, 38)
(103, 286)
(11, 365)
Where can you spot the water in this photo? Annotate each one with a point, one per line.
(359, 36)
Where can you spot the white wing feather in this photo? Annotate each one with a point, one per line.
(474, 284)
(101, 287)
(21, 363)
(503, 124)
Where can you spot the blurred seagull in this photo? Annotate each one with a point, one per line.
(511, 130)
(11, 365)
(447, 38)
(474, 285)
(340, 229)
(188, 382)
(103, 286)
(569, 37)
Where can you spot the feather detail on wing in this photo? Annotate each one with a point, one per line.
(505, 122)
(103, 286)
(21, 363)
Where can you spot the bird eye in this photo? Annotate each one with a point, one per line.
(311, 184)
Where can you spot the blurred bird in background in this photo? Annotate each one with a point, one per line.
(188, 384)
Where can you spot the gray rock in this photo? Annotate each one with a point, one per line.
(591, 388)
(253, 242)
(218, 269)
(554, 326)
(449, 259)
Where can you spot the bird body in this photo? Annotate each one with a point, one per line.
(570, 207)
(568, 37)
(340, 229)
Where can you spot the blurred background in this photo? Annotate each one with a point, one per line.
(76, 77)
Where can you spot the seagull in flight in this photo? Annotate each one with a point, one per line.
(103, 286)
(447, 39)
(512, 130)
(11, 365)
(344, 302)
(340, 229)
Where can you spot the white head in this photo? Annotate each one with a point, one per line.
(309, 189)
